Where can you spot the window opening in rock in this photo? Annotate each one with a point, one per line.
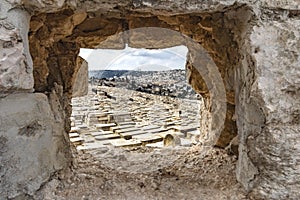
(137, 98)
(55, 59)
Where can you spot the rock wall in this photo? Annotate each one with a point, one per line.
(269, 139)
(254, 44)
(15, 62)
(30, 144)
(33, 141)
(80, 79)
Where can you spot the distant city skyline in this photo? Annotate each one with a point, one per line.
(135, 59)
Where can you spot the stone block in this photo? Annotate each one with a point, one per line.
(148, 138)
(126, 130)
(105, 127)
(15, 71)
(30, 144)
(107, 137)
(125, 143)
(128, 135)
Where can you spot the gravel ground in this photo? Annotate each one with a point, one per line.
(145, 173)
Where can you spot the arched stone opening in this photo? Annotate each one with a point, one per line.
(55, 46)
(251, 65)
(83, 32)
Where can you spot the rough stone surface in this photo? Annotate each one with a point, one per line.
(15, 72)
(254, 44)
(80, 85)
(29, 153)
(270, 125)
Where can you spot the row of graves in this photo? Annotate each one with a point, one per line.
(125, 118)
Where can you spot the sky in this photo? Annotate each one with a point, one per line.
(135, 59)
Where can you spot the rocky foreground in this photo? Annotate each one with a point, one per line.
(144, 173)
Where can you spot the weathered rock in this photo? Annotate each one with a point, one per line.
(80, 85)
(233, 147)
(171, 140)
(30, 147)
(270, 124)
(15, 71)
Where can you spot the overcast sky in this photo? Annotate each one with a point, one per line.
(135, 59)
